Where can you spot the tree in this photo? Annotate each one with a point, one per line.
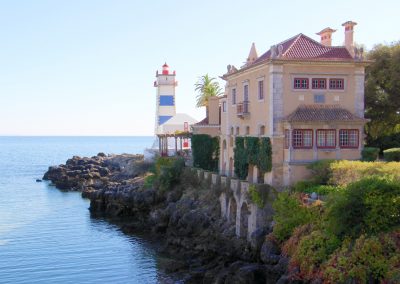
(382, 91)
(206, 87)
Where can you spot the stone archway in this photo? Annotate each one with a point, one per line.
(244, 220)
(232, 210)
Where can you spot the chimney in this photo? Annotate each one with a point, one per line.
(326, 36)
(348, 36)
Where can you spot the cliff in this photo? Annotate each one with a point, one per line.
(202, 245)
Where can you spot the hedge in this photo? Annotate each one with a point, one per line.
(392, 154)
(205, 152)
(370, 154)
(344, 172)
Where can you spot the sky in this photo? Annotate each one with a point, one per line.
(87, 67)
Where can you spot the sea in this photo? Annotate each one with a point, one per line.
(48, 236)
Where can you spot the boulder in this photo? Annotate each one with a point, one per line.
(270, 251)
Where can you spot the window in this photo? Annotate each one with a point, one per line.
(246, 93)
(336, 84)
(319, 83)
(326, 138)
(233, 96)
(319, 99)
(302, 138)
(287, 138)
(237, 130)
(300, 83)
(247, 130)
(262, 130)
(223, 106)
(260, 90)
(348, 138)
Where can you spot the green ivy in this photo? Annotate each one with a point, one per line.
(240, 159)
(205, 152)
(252, 151)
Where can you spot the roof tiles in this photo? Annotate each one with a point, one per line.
(321, 113)
(302, 47)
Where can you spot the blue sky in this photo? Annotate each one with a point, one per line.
(87, 67)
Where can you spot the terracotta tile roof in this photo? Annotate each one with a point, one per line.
(303, 47)
(322, 113)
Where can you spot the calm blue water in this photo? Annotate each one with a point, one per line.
(47, 236)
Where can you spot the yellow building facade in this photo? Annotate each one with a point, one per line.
(306, 96)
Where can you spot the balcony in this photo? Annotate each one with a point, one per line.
(242, 109)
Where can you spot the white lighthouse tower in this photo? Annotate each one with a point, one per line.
(165, 102)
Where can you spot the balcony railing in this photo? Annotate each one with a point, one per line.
(242, 109)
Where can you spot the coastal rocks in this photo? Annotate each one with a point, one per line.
(270, 251)
(196, 242)
(89, 174)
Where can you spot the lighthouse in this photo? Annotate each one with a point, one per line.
(165, 102)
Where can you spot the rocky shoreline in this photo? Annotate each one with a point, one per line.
(201, 246)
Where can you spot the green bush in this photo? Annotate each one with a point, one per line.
(313, 250)
(345, 172)
(321, 170)
(322, 189)
(168, 171)
(303, 185)
(367, 260)
(205, 152)
(289, 214)
(259, 194)
(149, 181)
(392, 154)
(370, 206)
(370, 154)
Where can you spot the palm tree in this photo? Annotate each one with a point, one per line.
(206, 87)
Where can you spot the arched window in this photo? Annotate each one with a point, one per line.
(247, 130)
(262, 130)
(237, 130)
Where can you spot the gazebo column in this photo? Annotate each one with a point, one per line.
(176, 145)
(181, 143)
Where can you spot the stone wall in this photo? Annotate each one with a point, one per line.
(236, 204)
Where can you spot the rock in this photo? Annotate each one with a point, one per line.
(101, 154)
(257, 238)
(38, 180)
(270, 252)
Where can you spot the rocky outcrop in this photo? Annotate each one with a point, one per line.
(198, 243)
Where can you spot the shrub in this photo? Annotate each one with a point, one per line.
(313, 250)
(370, 206)
(392, 154)
(366, 260)
(321, 170)
(168, 171)
(259, 194)
(370, 154)
(345, 172)
(205, 152)
(289, 214)
(323, 189)
(303, 185)
(149, 181)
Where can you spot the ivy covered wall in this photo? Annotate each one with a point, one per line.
(252, 151)
(205, 152)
